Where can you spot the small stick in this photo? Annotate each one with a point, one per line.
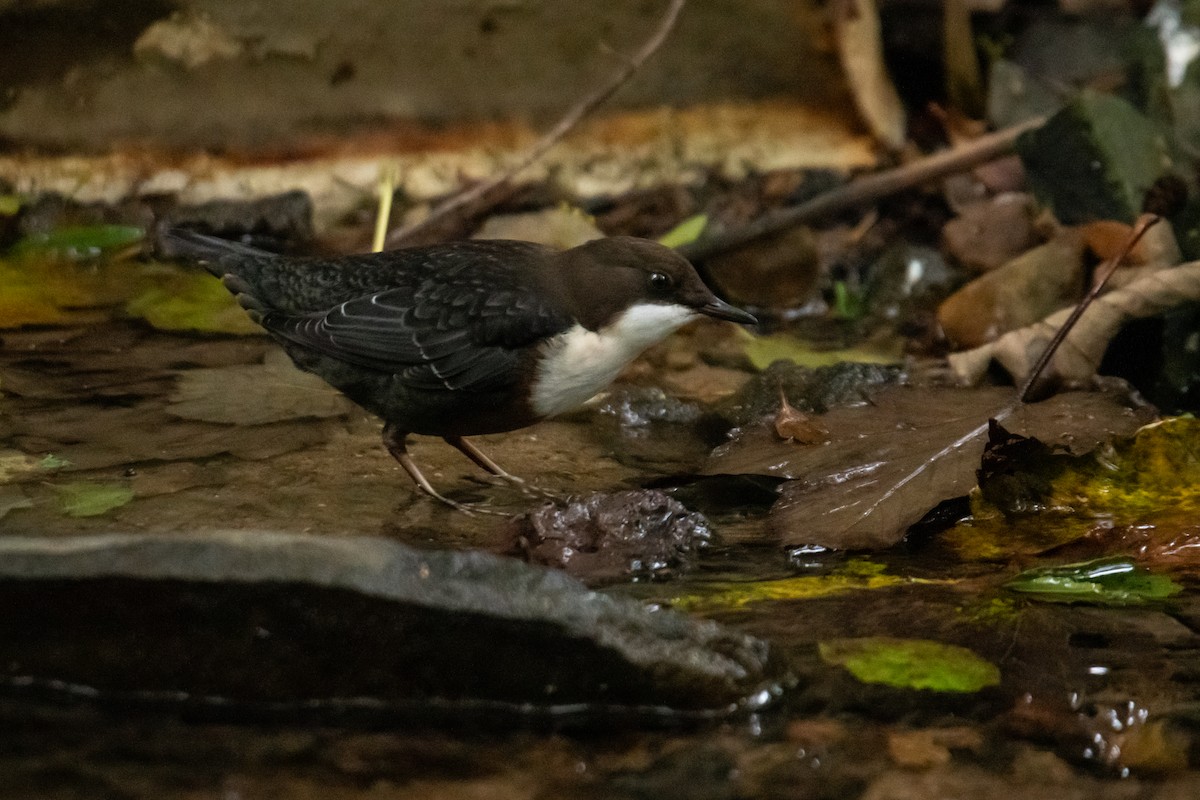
(1144, 223)
(388, 178)
(551, 138)
(866, 189)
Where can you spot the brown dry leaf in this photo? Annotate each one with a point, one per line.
(891, 461)
(860, 48)
(1080, 354)
(797, 426)
(1108, 239)
(1012, 296)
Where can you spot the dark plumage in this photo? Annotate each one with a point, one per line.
(463, 338)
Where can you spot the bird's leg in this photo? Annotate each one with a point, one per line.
(472, 452)
(395, 441)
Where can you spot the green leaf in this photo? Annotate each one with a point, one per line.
(85, 499)
(685, 232)
(80, 242)
(848, 303)
(10, 204)
(190, 301)
(911, 663)
(51, 461)
(1106, 581)
(1039, 498)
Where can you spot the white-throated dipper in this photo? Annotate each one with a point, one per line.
(469, 337)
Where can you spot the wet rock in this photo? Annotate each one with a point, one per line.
(808, 390)
(988, 234)
(1095, 159)
(603, 537)
(260, 623)
(274, 220)
(636, 409)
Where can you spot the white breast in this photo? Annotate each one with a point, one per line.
(579, 363)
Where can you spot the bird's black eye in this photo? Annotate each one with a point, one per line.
(660, 282)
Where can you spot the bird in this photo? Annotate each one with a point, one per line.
(466, 337)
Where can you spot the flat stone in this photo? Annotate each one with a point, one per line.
(253, 623)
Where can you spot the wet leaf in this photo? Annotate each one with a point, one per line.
(50, 292)
(763, 351)
(1113, 582)
(685, 232)
(190, 301)
(890, 461)
(1081, 352)
(79, 242)
(85, 499)
(1138, 492)
(857, 575)
(911, 664)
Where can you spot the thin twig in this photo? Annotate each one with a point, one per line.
(389, 176)
(629, 66)
(867, 189)
(1144, 223)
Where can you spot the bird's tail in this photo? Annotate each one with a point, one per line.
(238, 266)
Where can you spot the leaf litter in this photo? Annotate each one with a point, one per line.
(890, 460)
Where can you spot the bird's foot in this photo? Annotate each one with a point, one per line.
(470, 509)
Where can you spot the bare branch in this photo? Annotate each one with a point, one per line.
(1105, 271)
(565, 125)
(867, 189)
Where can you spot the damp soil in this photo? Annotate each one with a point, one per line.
(97, 436)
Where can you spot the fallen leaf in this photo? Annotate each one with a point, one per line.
(1016, 294)
(79, 242)
(911, 664)
(685, 232)
(1108, 582)
(1135, 495)
(85, 499)
(855, 576)
(796, 425)
(889, 462)
(930, 747)
(1080, 354)
(189, 301)
(860, 48)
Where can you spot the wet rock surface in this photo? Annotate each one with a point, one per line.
(247, 624)
(605, 537)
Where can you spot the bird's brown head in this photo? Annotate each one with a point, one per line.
(606, 277)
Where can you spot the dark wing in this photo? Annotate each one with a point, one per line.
(442, 334)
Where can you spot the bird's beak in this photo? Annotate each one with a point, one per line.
(721, 310)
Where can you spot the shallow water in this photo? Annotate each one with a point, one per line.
(118, 428)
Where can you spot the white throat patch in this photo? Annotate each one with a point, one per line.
(579, 363)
